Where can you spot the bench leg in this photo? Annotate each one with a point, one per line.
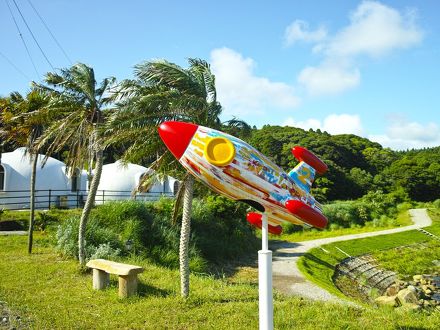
(101, 279)
(127, 285)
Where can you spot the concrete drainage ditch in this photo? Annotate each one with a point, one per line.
(361, 278)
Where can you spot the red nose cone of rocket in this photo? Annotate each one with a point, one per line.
(177, 135)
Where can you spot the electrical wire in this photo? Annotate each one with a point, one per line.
(14, 66)
(32, 34)
(50, 32)
(22, 39)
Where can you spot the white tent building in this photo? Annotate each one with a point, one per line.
(53, 185)
(118, 181)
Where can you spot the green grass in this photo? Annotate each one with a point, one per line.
(50, 292)
(318, 264)
(403, 219)
(21, 217)
(414, 259)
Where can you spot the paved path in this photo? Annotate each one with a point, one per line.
(15, 232)
(288, 279)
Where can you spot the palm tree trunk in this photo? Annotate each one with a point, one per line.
(34, 158)
(184, 237)
(88, 206)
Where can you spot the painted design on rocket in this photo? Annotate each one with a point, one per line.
(231, 167)
(273, 185)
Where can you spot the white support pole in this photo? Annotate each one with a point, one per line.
(265, 279)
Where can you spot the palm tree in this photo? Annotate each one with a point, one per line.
(76, 109)
(165, 91)
(23, 129)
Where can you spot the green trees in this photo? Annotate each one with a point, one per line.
(418, 173)
(356, 165)
(76, 112)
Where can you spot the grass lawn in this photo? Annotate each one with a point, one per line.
(319, 263)
(51, 293)
(413, 259)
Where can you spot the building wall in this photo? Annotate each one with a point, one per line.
(17, 174)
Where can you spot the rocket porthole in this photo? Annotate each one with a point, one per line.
(219, 151)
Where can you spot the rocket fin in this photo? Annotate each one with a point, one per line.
(256, 220)
(303, 174)
(306, 213)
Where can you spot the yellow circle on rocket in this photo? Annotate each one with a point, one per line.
(219, 151)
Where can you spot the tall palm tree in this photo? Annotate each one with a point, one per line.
(22, 129)
(76, 110)
(165, 91)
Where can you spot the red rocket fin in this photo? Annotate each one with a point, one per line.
(308, 157)
(306, 213)
(255, 219)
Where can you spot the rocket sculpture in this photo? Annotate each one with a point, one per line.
(233, 168)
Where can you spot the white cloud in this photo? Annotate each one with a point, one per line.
(402, 135)
(307, 124)
(328, 78)
(374, 30)
(333, 124)
(299, 31)
(241, 92)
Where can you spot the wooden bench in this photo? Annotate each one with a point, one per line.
(127, 275)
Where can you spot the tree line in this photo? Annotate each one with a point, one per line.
(356, 165)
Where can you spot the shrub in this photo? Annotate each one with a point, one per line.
(342, 213)
(375, 208)
(96, 235)
(218, 231)
(290, 228)
(105, 251)
(43, 220)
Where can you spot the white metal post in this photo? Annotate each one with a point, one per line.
(265, 279)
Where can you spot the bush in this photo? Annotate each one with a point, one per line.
(43, 220)
(342, 213)
(96, 236)
(219, 231)
(290, 228)
(129, 220)
(375, 208)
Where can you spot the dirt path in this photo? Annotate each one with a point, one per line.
(288, 279)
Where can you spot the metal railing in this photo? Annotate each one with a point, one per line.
(48, 198)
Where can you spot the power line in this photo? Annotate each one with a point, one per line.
(22, 39)
(14, 66)
(50, 32)
(33, 37)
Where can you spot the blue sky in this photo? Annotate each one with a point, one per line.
(365, 67)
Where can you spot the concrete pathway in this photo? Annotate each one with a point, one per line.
(288, 279)
(15, 232)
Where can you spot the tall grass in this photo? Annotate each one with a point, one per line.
(219, 232)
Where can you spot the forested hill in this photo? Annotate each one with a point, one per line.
(356, 165)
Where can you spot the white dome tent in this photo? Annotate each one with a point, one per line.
(53, 185)
(118, 181)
